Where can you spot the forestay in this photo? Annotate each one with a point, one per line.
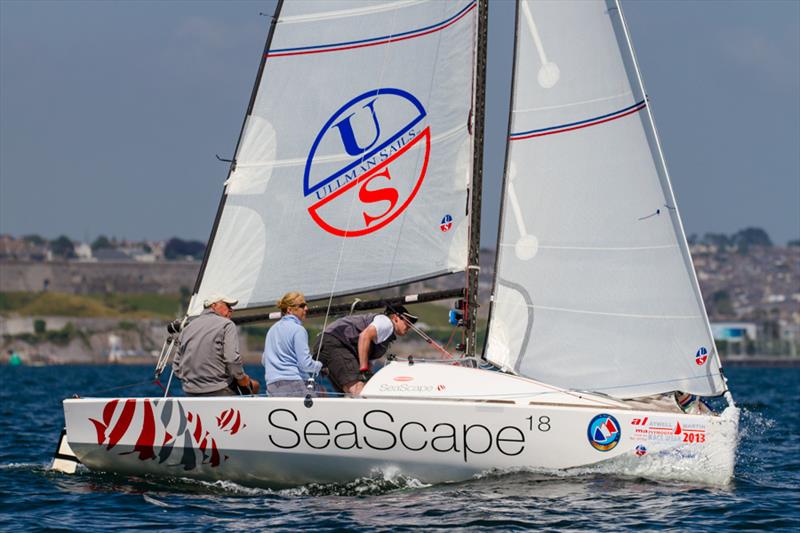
(354, 163)
(595, 287)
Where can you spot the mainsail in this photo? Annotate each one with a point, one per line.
(595, 288)
(354, 163)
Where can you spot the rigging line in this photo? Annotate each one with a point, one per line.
(343, 13)
(128, 386)
(675, 380)
(603, 248)
(571, 126)
(425, 336)
(671, 200)
(622, 315)
(297, 162)
(353, 197)
(572, 104)
(420, 154)
(374, 41)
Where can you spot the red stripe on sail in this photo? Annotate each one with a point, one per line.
(122, 424)
(101, 430)
(236, 424)
(147, 437)
(198, 430)
(108, 411)
(214, 453)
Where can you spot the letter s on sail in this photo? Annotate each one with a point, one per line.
(371, 196)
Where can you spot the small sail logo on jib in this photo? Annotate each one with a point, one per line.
(701, 356)
(604, 432)
(367, 163)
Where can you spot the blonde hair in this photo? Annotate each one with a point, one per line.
(290, 299)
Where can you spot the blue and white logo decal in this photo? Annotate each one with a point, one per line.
(604, 432)
(446, 224)
(701, 356)
(371, 156)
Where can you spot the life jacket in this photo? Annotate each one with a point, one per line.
(347, 330)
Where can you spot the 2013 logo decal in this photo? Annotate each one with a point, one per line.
(367, 163)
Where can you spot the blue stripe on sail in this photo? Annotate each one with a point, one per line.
(390, 37)
(601, 118)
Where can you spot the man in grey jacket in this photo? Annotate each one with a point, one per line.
(208, 361)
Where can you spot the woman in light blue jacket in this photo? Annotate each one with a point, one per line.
(287, 359)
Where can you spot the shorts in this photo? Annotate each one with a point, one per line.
(288, 388)
(341, 362)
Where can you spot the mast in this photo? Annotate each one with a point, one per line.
(232, 167)
(473, 255)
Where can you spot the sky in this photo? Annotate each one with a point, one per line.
(111, 113)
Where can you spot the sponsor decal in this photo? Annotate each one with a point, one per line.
(381, 430)
(641, 450)
(701, 356)
(367, 163)
(406, 387)
(446, 224)
(183, 438)
(666, 430)
(440, 388)
(604, 432)
(230, 421)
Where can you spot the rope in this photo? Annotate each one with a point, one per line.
(380, 77)
(128, 386)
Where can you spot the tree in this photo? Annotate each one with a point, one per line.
(63, 247)
(179, 249)
(794, 242)
(751, 237)
(101, 243)
(719, 240)
(37, 240)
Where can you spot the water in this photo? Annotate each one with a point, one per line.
(764, 494)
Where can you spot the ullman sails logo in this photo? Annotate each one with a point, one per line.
(367, 163)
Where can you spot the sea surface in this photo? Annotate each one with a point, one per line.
(765, 493)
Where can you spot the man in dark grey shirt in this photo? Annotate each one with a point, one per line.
(208, 361)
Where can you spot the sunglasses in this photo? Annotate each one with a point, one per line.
(302, 305)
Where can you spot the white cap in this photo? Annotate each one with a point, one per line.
(219, 297)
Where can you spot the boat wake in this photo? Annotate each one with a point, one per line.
(376, 484)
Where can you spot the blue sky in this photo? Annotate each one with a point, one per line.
(111, 112)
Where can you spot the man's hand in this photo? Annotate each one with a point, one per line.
(364, 375)
(249, 383)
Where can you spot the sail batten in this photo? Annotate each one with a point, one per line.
(354, 164)
(595, 289)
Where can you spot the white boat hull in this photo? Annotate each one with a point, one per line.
(279, 442)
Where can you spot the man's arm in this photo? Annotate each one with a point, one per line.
(233, 360)
(365, 340)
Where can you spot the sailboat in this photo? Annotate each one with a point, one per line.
(359, 168)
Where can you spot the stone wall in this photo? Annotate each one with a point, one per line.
(102, 277)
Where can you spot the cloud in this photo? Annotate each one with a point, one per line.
(772, 58)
